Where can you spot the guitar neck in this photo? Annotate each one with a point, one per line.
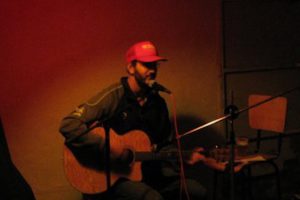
(167, 155)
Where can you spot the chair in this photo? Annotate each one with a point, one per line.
(267, 117)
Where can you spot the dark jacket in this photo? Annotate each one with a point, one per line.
(118, 107)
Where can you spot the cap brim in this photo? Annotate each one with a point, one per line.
(151, 59)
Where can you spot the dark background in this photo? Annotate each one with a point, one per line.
(56, 54)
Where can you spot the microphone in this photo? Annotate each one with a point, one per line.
(158, 87)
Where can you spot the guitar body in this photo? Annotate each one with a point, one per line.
(92, 179)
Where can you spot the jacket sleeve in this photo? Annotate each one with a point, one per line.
(75, 126)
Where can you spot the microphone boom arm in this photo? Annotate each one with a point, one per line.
(236, 113)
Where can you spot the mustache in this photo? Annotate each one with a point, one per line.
(152, 76)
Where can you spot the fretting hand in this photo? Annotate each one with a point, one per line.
(196, 156)
(222, 166)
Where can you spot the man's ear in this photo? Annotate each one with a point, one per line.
(130, 69)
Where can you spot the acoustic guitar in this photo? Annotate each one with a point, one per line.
(90, 178)
(87, 173)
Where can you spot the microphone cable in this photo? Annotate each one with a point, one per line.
(183, 186)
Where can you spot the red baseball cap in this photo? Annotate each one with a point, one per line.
(143, 51)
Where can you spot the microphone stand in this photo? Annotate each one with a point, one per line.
(107, 156)
(231, 113)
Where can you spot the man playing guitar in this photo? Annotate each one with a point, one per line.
(129, 105)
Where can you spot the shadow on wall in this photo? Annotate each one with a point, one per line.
(13, 185)
(206, 138)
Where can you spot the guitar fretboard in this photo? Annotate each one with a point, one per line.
(169, 155)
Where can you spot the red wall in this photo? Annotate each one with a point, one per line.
(55, 54)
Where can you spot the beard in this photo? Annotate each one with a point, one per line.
(144, 82)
